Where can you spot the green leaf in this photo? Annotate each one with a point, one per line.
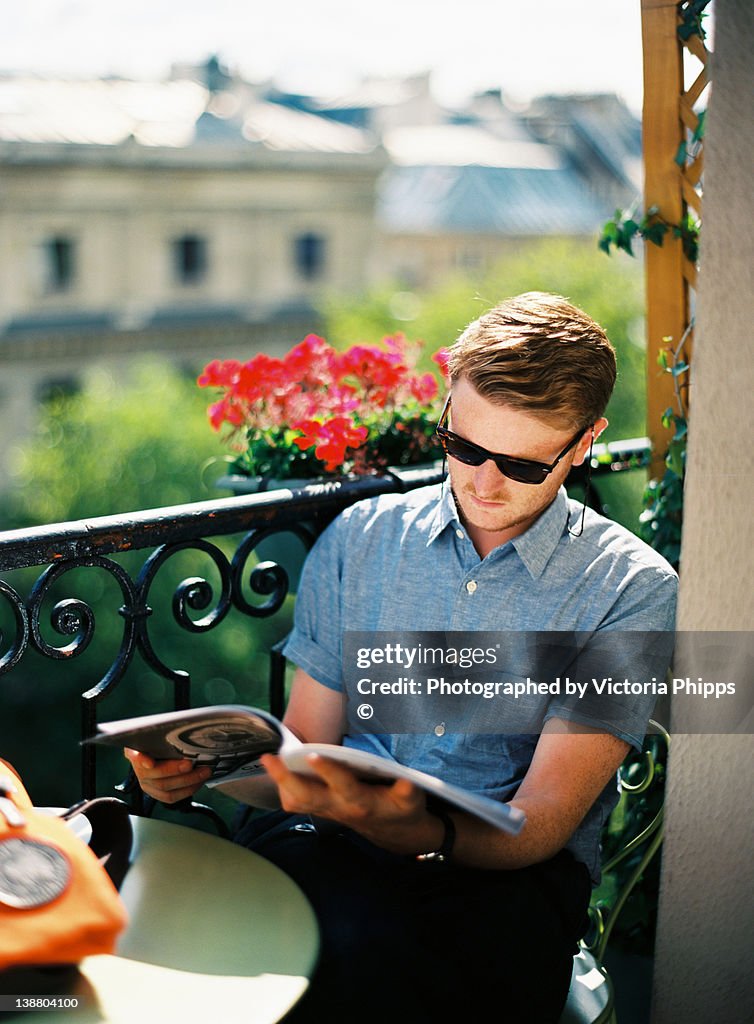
(655, 233)
(609, 236)
(675, 457)
(686, 31)
(681, 155)
(624, 243)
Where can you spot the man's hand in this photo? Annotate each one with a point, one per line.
(394, 817)
(167, 781)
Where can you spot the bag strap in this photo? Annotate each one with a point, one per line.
(112, 835)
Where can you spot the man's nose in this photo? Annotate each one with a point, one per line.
(487, 479)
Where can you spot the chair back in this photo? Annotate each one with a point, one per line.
(632, 837)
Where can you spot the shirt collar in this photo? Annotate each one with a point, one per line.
(445, 513)
(534, 547)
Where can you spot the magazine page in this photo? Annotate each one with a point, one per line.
(225, 737)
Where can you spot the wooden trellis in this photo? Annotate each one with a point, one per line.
(673, 164)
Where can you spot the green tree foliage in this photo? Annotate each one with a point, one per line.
(118, 445)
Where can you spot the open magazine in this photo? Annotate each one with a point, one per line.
(231, 738)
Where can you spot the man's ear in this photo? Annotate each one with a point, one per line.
(582, 448)
(599, 427)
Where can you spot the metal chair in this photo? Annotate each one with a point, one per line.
(591, 998)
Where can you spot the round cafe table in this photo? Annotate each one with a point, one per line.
(216, 935)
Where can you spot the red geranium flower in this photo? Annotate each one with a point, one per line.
(441, 357)
(350, 409)
(330, 439)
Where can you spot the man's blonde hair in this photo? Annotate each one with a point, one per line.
(541, 354)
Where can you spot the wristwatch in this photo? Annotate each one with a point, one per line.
(444, 853)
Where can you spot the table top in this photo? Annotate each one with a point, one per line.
(215, 933)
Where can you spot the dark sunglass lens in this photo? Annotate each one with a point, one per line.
(521, 471)
(458, 449)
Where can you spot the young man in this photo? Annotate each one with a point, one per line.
(498, 547)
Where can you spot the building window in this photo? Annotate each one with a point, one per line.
(190, 259)
(60, 263)
(309, 256)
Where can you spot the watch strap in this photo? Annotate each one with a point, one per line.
(444, 853)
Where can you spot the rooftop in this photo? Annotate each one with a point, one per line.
(487, 200)
(172, 114)
(455, 145)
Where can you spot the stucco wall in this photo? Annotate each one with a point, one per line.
(704, 967)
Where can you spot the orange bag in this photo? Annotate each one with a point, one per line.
(58, 896)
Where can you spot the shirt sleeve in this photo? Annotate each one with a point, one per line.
(620, 670)
(315, 643)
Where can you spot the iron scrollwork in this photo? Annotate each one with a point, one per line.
(267, 578)
(21, 640)
(74, 618)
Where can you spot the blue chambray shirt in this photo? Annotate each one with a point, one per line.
(405, 563)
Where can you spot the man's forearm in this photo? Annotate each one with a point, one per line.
(477, 844)
(480, 845)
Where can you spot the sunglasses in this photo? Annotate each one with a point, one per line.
(524, 471)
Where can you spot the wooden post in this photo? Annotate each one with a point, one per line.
(663, 131)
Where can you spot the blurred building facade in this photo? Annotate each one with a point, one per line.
(202, 216)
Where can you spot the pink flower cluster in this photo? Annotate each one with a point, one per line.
(318, 398)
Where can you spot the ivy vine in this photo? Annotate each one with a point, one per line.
(652, 227)
(661, 520)
(626, 225)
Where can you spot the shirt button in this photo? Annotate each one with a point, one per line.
(440, 729)
(471, 586)
(460, 534)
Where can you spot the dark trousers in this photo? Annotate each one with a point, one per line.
(407, 943)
